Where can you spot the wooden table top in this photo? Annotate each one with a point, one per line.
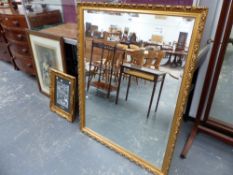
(143, 69)
(176, 52)
(67, 30)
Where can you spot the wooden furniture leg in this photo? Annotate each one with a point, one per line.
(189, 142)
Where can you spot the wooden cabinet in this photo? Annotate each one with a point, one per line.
(15, 34)
(4, 52)
(20, 49)
(13, 37)
(45, 18)
(14, 27)
(24, 64)
(14, 21)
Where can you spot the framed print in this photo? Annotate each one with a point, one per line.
(48, 52)
(62, 94)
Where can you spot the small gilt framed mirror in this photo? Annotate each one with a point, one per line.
(135, 69)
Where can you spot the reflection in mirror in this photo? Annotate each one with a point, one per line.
(134, 65)
(221, 111)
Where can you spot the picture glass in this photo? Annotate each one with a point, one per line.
(48, 53)
(46, 59)
(221, 111)
(62, 93)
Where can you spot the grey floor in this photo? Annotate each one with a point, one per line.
(126, 123)
(35, 141)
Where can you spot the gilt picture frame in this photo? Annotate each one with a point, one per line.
(62, 94)
(47, 51)
(199, 15)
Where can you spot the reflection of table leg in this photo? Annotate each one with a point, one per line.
(160, 90)
(169, 60)
(90, 71)
(179, 61)
(127, 93)
(119, 84)
(152, 96)
(174, 63)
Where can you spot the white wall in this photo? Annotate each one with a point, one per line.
(144, 26)
(209, 32)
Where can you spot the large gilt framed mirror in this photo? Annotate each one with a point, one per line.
(135, 68)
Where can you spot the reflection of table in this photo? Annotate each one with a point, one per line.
(176, 54)
(68, 31)
(156, 44)
(145, 71)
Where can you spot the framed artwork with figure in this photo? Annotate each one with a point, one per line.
(48, 52)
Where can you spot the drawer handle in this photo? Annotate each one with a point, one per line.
(29, 65)
(20, 36)
(16, 23)
(24, 50)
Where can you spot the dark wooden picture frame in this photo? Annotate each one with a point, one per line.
(63, 86)
(48, 51)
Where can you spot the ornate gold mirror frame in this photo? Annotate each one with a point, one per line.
(199, 14)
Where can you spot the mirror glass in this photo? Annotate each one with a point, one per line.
(134, 65)
(221, 111)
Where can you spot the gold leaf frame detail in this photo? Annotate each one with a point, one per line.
(70, 116)
(200, 15)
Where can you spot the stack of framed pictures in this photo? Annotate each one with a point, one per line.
(48, 53)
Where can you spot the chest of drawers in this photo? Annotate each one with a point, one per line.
(14, 27)
(4, 52)
(13, 37)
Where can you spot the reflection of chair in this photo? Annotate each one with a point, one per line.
(136, 56)
(133, 46)
(113, 36)
(119, 58)
(104, 67)
(153, 60)
(157, 38)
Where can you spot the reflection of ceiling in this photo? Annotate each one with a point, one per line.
(106, 12)
(113, 13)
(164, 25)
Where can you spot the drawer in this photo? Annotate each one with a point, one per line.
(14, 21)
(45, 18)
(22, 49)
(15, 34)
(4, 52)
(26, 65)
